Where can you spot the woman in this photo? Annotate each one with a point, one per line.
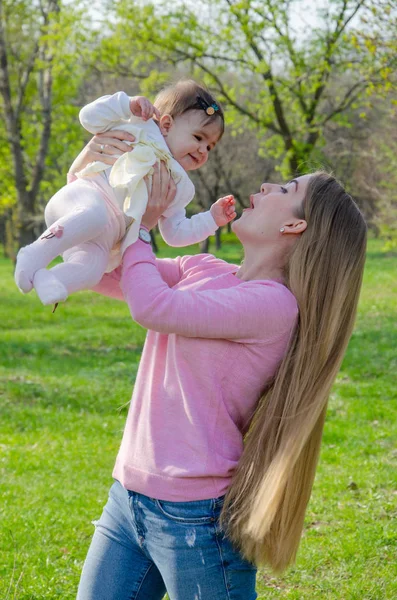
(227, 355)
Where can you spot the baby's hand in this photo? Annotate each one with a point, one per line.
(223, 210)
(142, 107)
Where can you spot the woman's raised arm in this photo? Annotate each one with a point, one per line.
(170, 270)
(248, 311)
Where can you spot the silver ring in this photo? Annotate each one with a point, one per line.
(102, 147)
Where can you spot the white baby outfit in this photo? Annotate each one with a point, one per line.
(126, 176)
(89, 218)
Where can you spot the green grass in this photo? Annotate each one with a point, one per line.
(66, 379)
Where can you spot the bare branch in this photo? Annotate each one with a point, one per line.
(268, 78)
(25, 80)
(347, 101)
(236, 105)
(45, 92)
(12, 123)
(341, 24)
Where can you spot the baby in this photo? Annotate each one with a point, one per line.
(91, 220)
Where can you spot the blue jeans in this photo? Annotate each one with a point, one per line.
(143, 548)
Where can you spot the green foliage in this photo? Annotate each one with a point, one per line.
(287, 84)
(65, 383)
(386, 217)
(62, 37)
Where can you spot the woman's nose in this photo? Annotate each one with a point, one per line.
(265, 188)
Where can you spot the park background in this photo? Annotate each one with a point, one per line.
(305, 85)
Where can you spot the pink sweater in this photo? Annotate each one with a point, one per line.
(213, 343)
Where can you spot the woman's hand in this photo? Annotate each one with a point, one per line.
(106, 147)
(161, 194)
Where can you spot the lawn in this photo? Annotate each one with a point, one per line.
(65, 383)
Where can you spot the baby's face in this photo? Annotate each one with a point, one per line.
(190, 139)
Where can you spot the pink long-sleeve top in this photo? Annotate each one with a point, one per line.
(213, 342)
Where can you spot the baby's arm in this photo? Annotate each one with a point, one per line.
(105, 112)
(178, 230)
(109, 111)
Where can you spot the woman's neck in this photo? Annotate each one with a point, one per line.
(260, 264)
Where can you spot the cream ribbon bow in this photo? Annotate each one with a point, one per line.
(129, 171)
(127, 174)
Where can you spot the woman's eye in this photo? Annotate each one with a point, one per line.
(284, 190)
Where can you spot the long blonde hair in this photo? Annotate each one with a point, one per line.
(265, 506)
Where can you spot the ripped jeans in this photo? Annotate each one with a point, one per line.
(143, 548)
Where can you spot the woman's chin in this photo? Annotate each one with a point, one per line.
(243, 230)
(236, 226)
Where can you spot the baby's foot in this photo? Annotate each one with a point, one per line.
(24, 270)
(49, 289)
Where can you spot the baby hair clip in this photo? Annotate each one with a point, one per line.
(210, 109)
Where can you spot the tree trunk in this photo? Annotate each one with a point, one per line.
(295, 164)
(154, 243)
(26, 234)
(218, 241)
(7, 227)
(27, 185)
(205, 245)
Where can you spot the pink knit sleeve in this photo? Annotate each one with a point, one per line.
(110, 285)
(168, 268)
(250, 312)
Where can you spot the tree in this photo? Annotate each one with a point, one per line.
(37, 59)
(279, 79)
(364, 156)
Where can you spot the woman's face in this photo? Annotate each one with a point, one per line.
(274, 207)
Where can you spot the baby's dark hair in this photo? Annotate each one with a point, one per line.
(186, 94)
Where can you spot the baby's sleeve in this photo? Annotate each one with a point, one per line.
(178, 230)
(102, 114)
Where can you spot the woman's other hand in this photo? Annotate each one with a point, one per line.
(105, 147)
(161, 194)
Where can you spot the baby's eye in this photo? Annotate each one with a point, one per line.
(198, 138)
(284, 190)
(208, 148)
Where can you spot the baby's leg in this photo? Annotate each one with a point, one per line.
(83, 268)
(77, 213)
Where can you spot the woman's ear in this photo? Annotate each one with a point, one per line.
(294, 226)
(165, 124)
